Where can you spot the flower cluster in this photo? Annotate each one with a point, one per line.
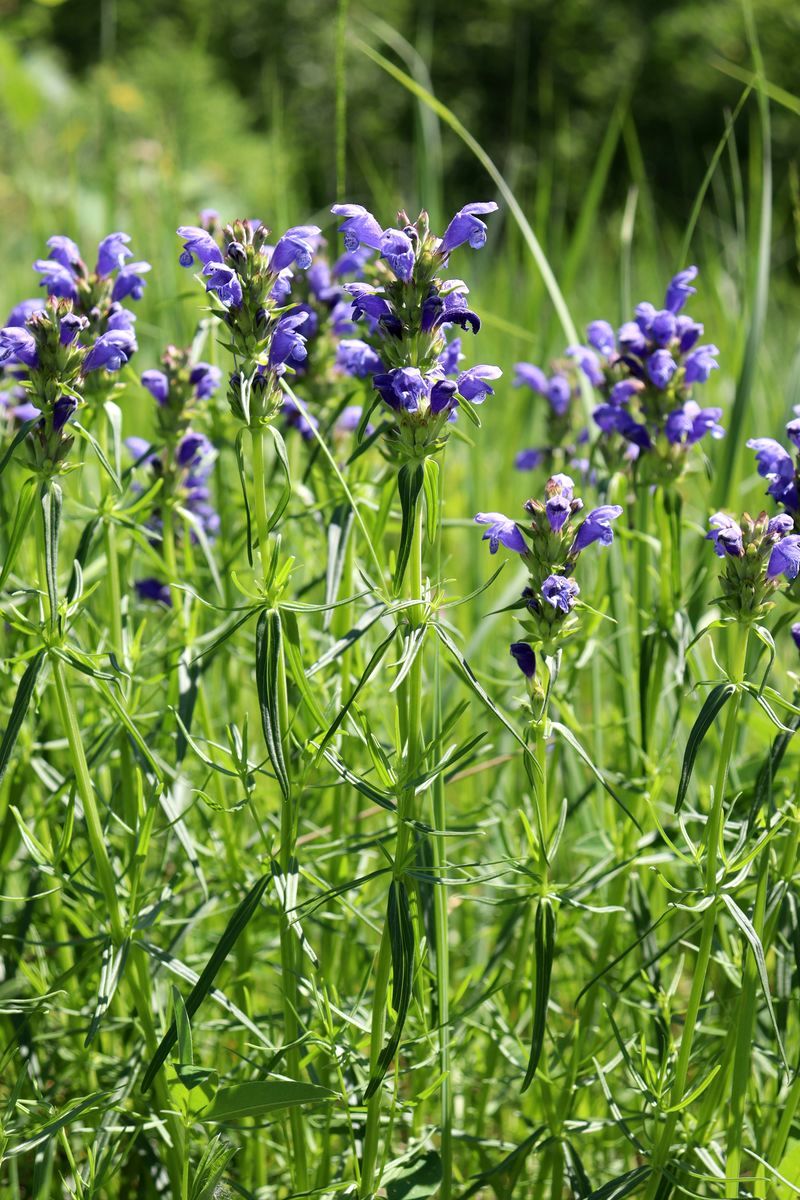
(757, 554)
(645, 372)
(777, 465)
(550, 545)
(249, 282)
(179, 388)
(406, 314)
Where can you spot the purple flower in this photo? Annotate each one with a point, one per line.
(288, 347)
(350, 418)
(614, 418)
(559, 393)
(296, 418)
(622, 391)
(501, 529)
(398, 250)
(359, 226)
(225, 282)
(792, 430)
(403, 388)
(631, 339)
(527, 375)
(155, 590)
(111, 351)
(367, 302)
(466, 227)
(56, 278)
(661, 366)
(663, 327)
(600, 335)
(560, 591)
(450, 309)
(443, 396)
(597, 527)
(296, 247)
(194, 452)
(700, 363)
(644, 314)
(25, 309)
(679, 289)
(140, 451)
(473, 383)
(726, 535)
(157, 385)
(352, 262)
(63, 410)
(198, 243)
(64, 251)
(557, 509)
(588, 362)
(205, 379)
(785, 558)
(129, 282)
(70, 326)
(561, 485)
(795, 632)
(687, 331)
(121, 318)
(356, 358)
(775, 464)
(529, 460)
(17, 345)
(112, 252)
(524, 657)
(689, 424)
(450, 357)
(781, 525)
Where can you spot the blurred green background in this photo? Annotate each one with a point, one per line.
(603, 119)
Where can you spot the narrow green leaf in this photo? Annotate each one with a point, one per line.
(544, 944)
(239, 453)
(401, 941)
(409, 484)
(18, 438)
(19, 709)
(269, 649)
(51, 508)
(262, 1097)
(754, 941)
(241, 917)
(22, 517)
(714, 703)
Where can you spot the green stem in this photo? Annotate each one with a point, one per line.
(715, 824)
(410, 701)
(260, 498)
(743, 1040)
(94, 828)
(440, 901)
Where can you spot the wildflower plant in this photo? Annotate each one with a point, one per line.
(302, 892)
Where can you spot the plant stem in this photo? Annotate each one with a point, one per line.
(440, 901)
(94, 828)
(410, 701)
(288, 938)
(714, 827)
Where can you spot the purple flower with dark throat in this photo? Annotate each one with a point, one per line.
(403, 388)
(198, 243)
(597, 527)
(225, 282)
(467, 227)
(726, 535)
(64, 251)
(560, 591)
(359, 226)
(501, 530)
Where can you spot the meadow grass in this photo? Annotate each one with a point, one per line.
(247, 838)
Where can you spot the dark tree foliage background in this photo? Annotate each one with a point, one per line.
(224, 88)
